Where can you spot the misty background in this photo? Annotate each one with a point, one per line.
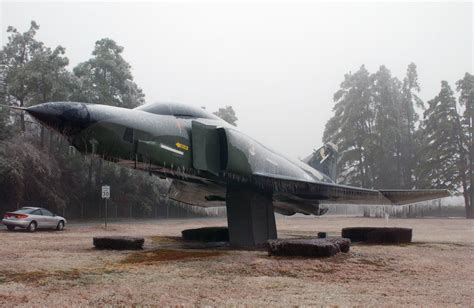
(278, 65)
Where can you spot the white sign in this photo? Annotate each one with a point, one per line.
(105, 192)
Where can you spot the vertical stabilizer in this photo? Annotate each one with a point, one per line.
(324, 159)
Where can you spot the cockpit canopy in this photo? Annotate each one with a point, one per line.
(177, 110)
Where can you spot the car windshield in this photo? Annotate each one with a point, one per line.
(24, 210)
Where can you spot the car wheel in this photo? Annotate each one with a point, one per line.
(32, 226)
(60, 226)
(11, 228)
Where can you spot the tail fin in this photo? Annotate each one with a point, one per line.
(324, 159)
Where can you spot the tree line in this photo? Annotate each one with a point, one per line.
(37, 166)
(384, 143)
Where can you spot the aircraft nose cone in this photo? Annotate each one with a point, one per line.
(66, 117)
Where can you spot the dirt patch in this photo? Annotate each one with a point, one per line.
(443, 245)
(166, 239)
(347, 267)
(37, 276)
(160, 255)
(44, 277)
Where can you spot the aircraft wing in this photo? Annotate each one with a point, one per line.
(295, 196)
(343, 194)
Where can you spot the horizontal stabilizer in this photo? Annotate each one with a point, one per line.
(401, 197)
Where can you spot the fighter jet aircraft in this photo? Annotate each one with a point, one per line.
(213, 163)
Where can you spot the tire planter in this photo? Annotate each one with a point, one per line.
(118, 242)
(322, 235)
(314, 248)
(208, 234)
(375, 235)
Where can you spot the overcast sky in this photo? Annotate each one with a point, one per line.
(278, 65)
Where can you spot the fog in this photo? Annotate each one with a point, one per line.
(278, 65)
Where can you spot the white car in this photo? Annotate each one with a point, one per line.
(32, 218)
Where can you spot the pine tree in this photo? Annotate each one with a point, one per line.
(408, 121)
(351, 128)
(387, 160)
(465, 87)
(440, 154)
(370, 115)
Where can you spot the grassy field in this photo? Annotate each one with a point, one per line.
(62, 268)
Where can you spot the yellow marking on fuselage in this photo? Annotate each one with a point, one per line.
(182, 146)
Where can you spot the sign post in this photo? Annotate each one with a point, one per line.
(106, 196)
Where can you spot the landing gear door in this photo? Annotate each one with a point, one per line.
(206, 147)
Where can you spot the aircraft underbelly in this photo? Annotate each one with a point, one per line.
(205, 195)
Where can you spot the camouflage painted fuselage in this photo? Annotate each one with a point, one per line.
(203, 155)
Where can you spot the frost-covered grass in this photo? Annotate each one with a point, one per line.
(62, 268)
